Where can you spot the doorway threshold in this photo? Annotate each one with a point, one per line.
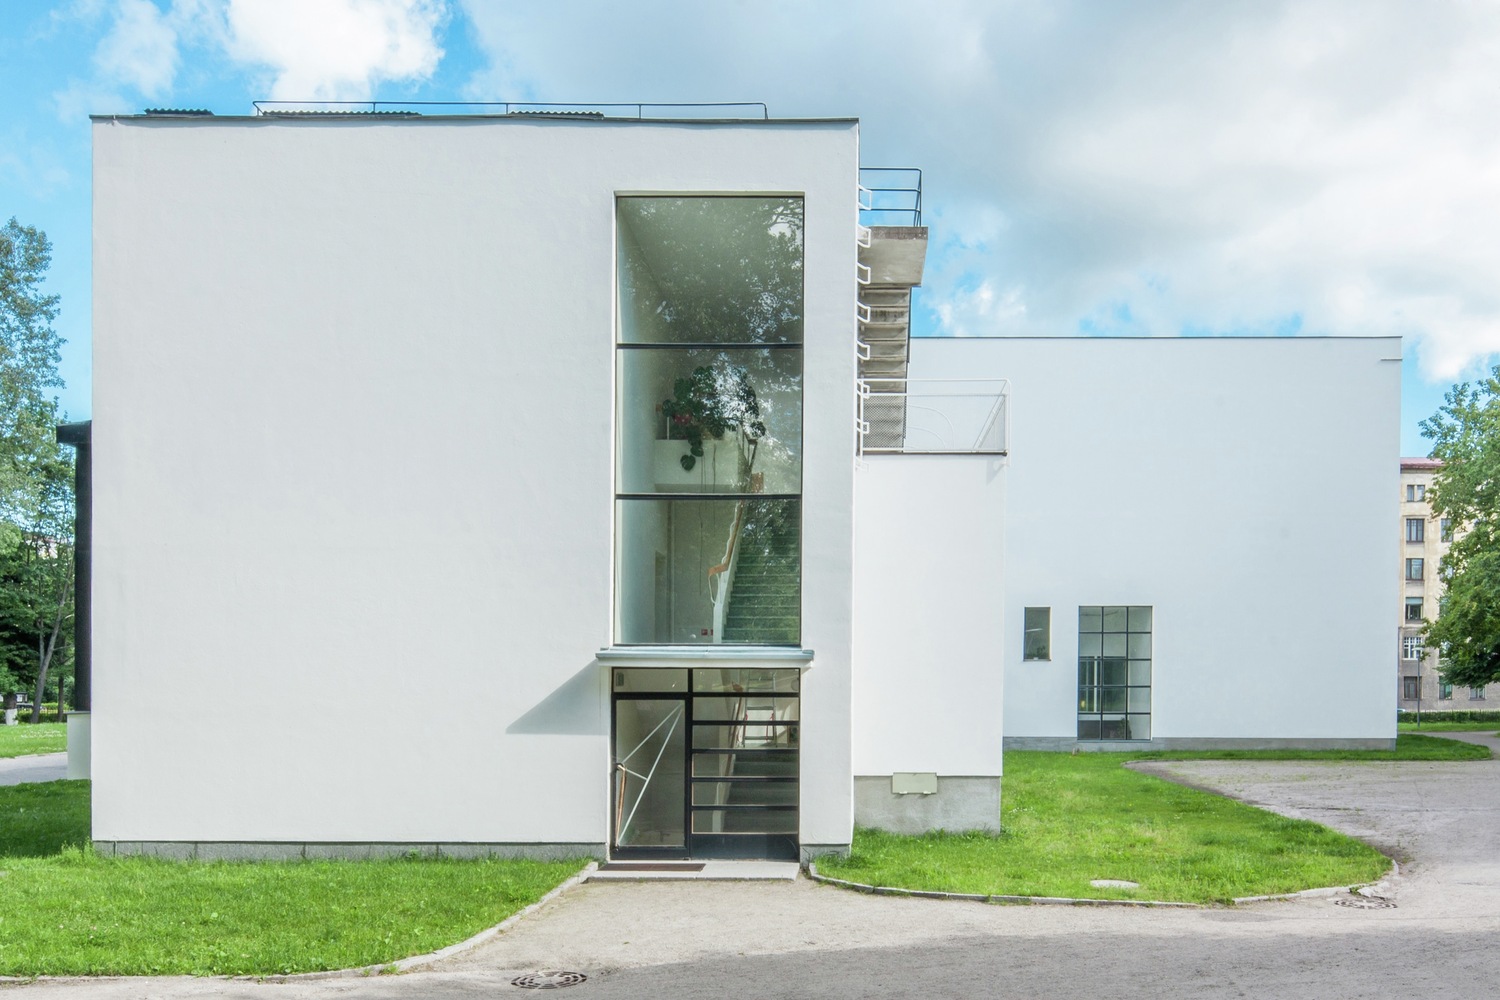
(708, 871)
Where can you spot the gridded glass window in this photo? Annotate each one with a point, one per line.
(1413, 609)
(1411, 647)
(1114, 673)
(1416, 529)
(1414, 570)
(1037, 643)
(1411, 688)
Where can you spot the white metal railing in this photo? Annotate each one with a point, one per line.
(900, 416)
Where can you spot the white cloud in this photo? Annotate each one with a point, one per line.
(140, 49)
(1161, 166)
(336, 49)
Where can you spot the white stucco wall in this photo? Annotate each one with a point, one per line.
(929, 619)
(353, 439)
(1244, 488)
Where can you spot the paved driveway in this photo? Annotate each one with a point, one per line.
(804, 940)
(36, 767)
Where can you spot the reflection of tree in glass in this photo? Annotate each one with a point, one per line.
(711, 402)
(714, 270)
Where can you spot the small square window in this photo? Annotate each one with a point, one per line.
(1413, 608)
(1411, 688)
(1411, 647)
(1416, 529)
(1414, 570)
(1037, 642)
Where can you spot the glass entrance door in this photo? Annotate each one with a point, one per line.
(705, 763)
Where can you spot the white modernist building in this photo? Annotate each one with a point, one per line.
(516, 484)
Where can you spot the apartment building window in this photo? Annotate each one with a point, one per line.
(1414, 570)
(1037, 642)
(1416, 529)
(1445, 691)
(1416, 492)
(1411, 647)
(1445, 530)
(1114, 673)
(1411, 688)
(1476, 694)
(1413, 609)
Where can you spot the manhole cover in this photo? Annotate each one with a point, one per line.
(1357, 902)
(1114, 883)
(548, 980)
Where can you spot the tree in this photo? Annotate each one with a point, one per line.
(36, 478)
(1466, 438)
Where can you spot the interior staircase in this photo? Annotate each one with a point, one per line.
(765, 600)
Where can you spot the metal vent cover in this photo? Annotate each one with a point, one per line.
(548, 980)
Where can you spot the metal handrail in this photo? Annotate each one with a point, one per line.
(509, 107)
(907, 195)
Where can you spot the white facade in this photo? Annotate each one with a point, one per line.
(1241, 488)
(364, 392)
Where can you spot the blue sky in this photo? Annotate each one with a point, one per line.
(1163, 168)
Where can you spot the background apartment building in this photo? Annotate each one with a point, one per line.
(1424, 541)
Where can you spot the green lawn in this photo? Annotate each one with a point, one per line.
(1071, 819)
(24, 738)
(67, 911)
(1448, 727)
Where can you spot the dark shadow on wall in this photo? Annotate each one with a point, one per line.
(574, 709)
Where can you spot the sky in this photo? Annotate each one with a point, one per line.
(1151, 168)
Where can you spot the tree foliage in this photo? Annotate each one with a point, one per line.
(36, 473)
(1466, 438)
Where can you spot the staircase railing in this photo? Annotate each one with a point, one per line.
(721, 577)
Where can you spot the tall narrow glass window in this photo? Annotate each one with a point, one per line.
(708, 450)
(1114, 673)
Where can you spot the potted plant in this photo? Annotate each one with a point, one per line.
(709, 403)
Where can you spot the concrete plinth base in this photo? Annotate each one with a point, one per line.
(80, 745)
(1067, 744)
(960, 803)
(226, 850)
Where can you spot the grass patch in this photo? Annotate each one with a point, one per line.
(24, 738)
(1447, 727)
(66, 911)
(1069, 820)
(1409, 746)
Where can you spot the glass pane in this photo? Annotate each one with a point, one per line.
(1140, 671)
(688, 569)
(632, 679)
(752, 736)
(1114, 644)
(710, 421)
(1140, 645)
(764, 764)
(1088, 619)
(1090, 644)
(1114, 619)
(744, 821)
(1140, 727)
(747, 708)
(1112, 671)
(1089, 729)
(713, 270)
(649, 762)
(1088, 699)
(744, 793)
(1112, 699)
(1140, 619)
(1140, 699)
(1037, 644)
(739, 679)
(1088, 670)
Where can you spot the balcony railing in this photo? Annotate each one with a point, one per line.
(899, 416)
(890, 196)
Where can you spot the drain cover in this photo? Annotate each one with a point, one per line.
(548, 980)
(1358, 902)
